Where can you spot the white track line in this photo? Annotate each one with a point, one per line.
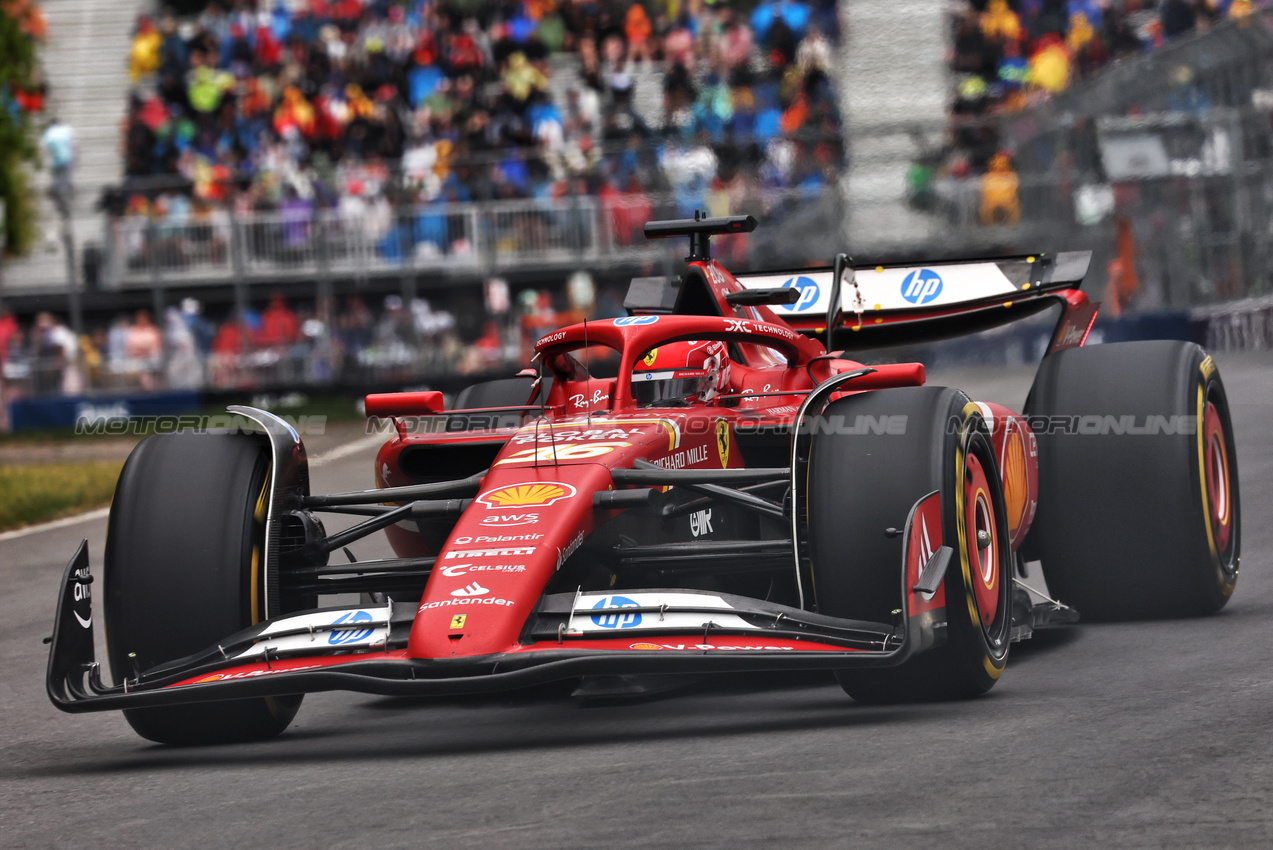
(341, 452)
(101, 513)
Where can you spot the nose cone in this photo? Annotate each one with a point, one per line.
(500, 556)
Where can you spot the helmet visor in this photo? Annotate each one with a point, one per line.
(651, 388)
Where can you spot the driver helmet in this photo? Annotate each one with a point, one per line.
(681, 371)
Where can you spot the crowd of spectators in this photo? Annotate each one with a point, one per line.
(349, 341)
(1010, 54)
(340, 105)
(275, 347)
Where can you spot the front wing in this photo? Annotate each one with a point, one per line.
(363, 649)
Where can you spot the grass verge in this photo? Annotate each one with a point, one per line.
(36, 493)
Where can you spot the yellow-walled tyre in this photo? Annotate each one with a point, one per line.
(862, 483)
(1139, 515)
(183, 570)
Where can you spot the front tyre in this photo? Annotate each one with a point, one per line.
(183, 570)
(863, 483)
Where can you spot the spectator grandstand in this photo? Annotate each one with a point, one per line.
(355, 109)
(1010, 55)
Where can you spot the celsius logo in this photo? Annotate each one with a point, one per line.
(343, 636)
(616, 621)
(921, 286)
(635, 320)
(809, 292)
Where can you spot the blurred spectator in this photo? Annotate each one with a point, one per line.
(58, 143)
(143, 58)
(999, 202)
(55, 352)
(143, 349)
(184, 369)
(9, 331)
(1178, 17)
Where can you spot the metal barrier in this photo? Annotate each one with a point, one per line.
(1245, 325)
(378, 240)
(144, 251)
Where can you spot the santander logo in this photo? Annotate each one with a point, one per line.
(472, 589)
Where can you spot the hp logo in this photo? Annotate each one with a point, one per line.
(809, 292)
(343, 636)
(625, 321)
(616, 621)
(921, 286)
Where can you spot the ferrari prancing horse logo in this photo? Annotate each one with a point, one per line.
(722, 441)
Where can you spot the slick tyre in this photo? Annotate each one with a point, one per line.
(863, 483)
(1138, 515)
(183, 571)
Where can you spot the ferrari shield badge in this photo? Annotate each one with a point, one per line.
(722, 441)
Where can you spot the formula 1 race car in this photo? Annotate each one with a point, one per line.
(699, 486)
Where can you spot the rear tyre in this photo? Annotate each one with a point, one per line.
(1139, 514)
(861, 484)
(183, 570)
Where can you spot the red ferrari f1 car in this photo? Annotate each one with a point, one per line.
(699, 486)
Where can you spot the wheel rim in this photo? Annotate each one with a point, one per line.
(983, 536)
(1219, 487)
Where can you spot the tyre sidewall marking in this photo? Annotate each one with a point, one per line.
(1226, 577)
(992, 663)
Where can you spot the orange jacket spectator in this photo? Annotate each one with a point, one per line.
(999, 201)
(637, 26)
(1050, 65)
(796, 114)
(29, 16)
(296, 112)
(1000, 22)
(143, 58)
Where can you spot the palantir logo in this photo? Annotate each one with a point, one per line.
(921, 286)
(343, 636)
(616, 621)
(809, 292)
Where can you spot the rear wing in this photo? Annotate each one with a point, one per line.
(901, 303)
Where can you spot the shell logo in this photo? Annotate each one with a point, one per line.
(645, 646)
(537, 495)
(1015, 487)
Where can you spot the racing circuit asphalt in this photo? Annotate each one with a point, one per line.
(1129, 735)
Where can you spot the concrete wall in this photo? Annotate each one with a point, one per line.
(893, 80)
